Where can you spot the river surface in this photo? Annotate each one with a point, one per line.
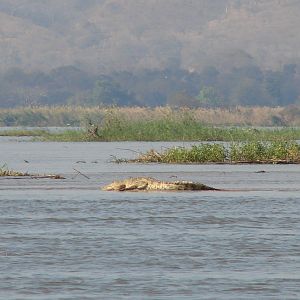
(67, 239)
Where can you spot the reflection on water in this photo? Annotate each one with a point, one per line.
(66, 239)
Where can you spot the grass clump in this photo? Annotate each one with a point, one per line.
(5, 172)
(205, 153)
(244, 152)
(274, 152)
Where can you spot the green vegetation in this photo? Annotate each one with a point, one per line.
(185, 130)
(23, 132)
(159, 124)
(162, 131)
(245, 152)
(208, 88)
(68, 136)
(208, 97)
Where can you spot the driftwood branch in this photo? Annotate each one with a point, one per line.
(29, 176)
(80, 173)
(47, 176)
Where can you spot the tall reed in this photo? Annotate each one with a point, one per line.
(78, 116)
(141, 124)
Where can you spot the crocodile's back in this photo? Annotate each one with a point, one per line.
(151, 184)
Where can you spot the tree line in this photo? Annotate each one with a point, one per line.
(68, 85)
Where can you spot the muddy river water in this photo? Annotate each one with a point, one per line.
(67, 239)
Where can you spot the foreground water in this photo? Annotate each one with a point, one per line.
(66, 239)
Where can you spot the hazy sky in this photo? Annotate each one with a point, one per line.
(112, 35)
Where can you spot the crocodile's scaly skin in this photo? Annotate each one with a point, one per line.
(151, 184)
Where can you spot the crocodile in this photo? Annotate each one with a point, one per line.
(151, 184)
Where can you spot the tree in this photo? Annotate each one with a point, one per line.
(208, 97)
(181, 99)
(249, 92)
(108, 92)
(209, 76)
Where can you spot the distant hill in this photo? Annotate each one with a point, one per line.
(102, 36)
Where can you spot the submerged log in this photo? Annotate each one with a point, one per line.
(151, 184)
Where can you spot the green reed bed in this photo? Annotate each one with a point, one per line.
(180, 126)
(172, 130)
(66, 136)
(163, 124)
(242, 152)
(163, 130)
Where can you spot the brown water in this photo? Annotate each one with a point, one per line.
(66, 239)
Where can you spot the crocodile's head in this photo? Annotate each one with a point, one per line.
(115, 186)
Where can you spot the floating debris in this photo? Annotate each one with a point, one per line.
(5, 172)
(8, 173)
(80, 173)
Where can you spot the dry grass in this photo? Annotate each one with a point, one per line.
(250, 116)
(79, 116)
(241, 116)
(5, 172)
